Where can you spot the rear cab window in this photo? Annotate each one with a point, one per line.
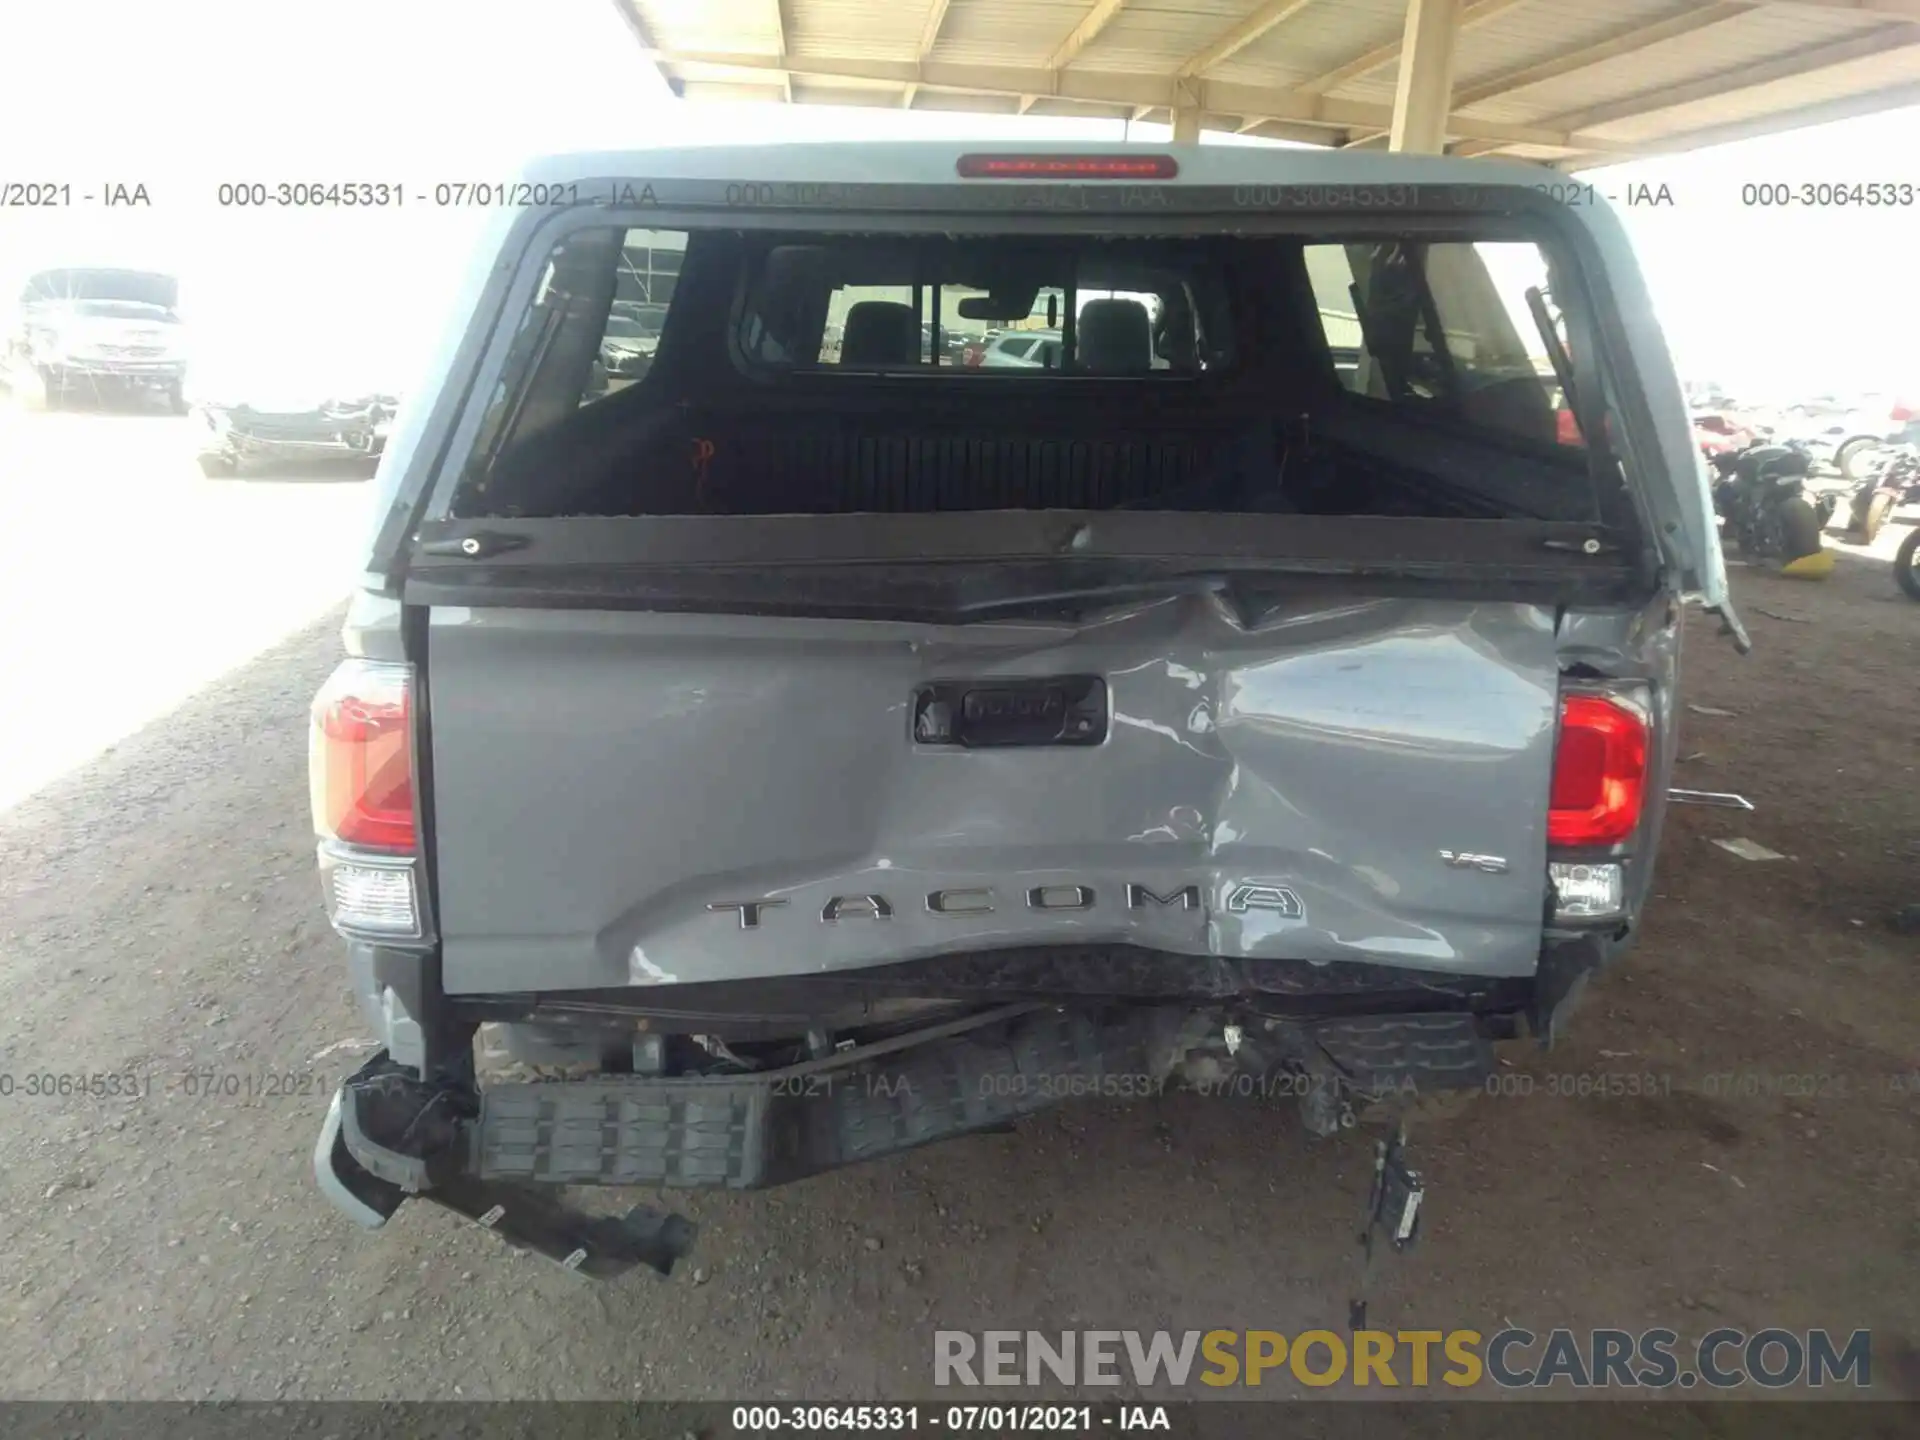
(939, 303)
(1309, 372)
(1440, 327)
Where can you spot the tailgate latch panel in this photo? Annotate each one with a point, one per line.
(990, 714)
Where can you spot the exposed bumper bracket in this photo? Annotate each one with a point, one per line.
(389, 1136)
(600, 1246)
(362, 1196)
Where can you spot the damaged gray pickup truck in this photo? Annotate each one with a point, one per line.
(806, 745)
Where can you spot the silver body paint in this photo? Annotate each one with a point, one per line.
(604, 781)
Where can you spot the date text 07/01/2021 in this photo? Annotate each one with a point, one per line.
(191, 1084)
(393, 194)
(1065, 1420)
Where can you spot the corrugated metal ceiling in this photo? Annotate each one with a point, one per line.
(1557, 80)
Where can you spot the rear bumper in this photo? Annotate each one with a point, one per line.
(415, 1120)
(356, 1192)
(746, 1132)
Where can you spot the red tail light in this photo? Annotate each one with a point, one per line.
(1068, 167)
(1599, 772)
(360, 758)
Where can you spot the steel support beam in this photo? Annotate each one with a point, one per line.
(1269, 15)
(1082, 35)
(1110, 88)
(1826, 112)
(1474, 12)
(1625, 42)
(929, 37)
(780, 34)
(1891, 9)
(1288, 130)
(630, 17)
(1749, 76)
(1085, 33)
(1186, 125)
(1423, 95)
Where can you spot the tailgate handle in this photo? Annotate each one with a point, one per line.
(997, 714)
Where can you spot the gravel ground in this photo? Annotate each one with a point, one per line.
(159, 918)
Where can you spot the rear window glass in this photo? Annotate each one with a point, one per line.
(599, 309)
(1445, 327)
(752, 372)
(1097, 307)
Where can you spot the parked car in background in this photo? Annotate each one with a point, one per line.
(951, 343)
(1857, 456)
(260, 407)
(1707, 395)
(1846, 438)
(235, 436)
(633, 335)
(1022, 350)
(96, 334)
(1718, 435)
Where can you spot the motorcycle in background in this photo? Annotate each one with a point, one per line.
(1897, 488)
(1762, 498)
(1891, 483)
(1904, 561)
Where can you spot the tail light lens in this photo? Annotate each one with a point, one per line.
(360, 757)
(1599, 772)
(360, 779)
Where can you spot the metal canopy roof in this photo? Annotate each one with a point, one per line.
(1568, 82)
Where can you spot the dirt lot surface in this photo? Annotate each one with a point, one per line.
(159, 916)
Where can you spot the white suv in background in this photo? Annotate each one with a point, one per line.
(1022, 350)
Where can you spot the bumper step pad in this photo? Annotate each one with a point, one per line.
(766, 1130)
(1385, 1054)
